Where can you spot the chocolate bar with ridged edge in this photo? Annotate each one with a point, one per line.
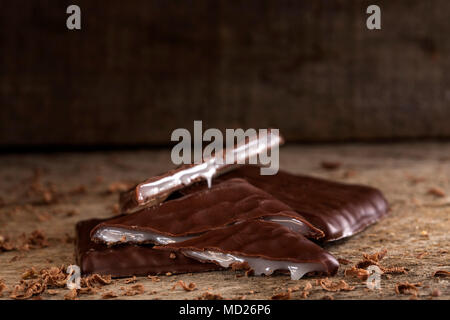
(262, 247)
(129, 260)
(338, 209)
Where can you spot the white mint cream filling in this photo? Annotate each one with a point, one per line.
(260, 266)
(113, 235)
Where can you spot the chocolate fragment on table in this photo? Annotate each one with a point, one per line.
(129, 260)
(225, 203)
(155, 190)
(338, 209)
(264, 247)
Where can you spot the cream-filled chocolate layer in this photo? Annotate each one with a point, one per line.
(225, 203)
(115, 235)
(264, 246)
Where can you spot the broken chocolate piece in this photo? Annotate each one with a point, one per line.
(339, 210)
(125, 261)
(227, 202)
(265, 246)
(155, 190)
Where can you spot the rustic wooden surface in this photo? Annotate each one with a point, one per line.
(416, 232)
(137, 70)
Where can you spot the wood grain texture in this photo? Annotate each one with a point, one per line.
(138, 70)
(415, 232)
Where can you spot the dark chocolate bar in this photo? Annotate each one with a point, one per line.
(264, 247)
(155, 190)
(129, 260)
(225, 203)
(339, 210)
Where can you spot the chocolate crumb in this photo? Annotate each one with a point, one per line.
(88, 290)
(282, 295)
(72, 213)
(71, 295)
(330, 165)
(421, 255)
(209, 296)
(436, 293)
(154, 278)
(190, 287)
(52, 292)
(117, 187)
(438, 192)
(109, 295)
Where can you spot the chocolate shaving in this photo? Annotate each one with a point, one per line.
(96, 280)
(376, 257)
(407, 288)
(135, 290)
(130, 280)
(36, 240)
(30, 273)
(361, 274)
(329, 285)
(34, 283)
(190, 287)
(6, 244)
(394, 270)
(3, 287)
(27, 289)
(441, 273)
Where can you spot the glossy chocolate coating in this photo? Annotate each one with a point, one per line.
(156, 189)
(260, 239)
(227, 202)
(339, 210)
(129, 260)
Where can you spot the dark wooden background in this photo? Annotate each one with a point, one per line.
(139, 69)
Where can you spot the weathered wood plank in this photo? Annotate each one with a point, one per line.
(137, 71)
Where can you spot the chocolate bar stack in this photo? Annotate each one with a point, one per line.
(179, 223)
